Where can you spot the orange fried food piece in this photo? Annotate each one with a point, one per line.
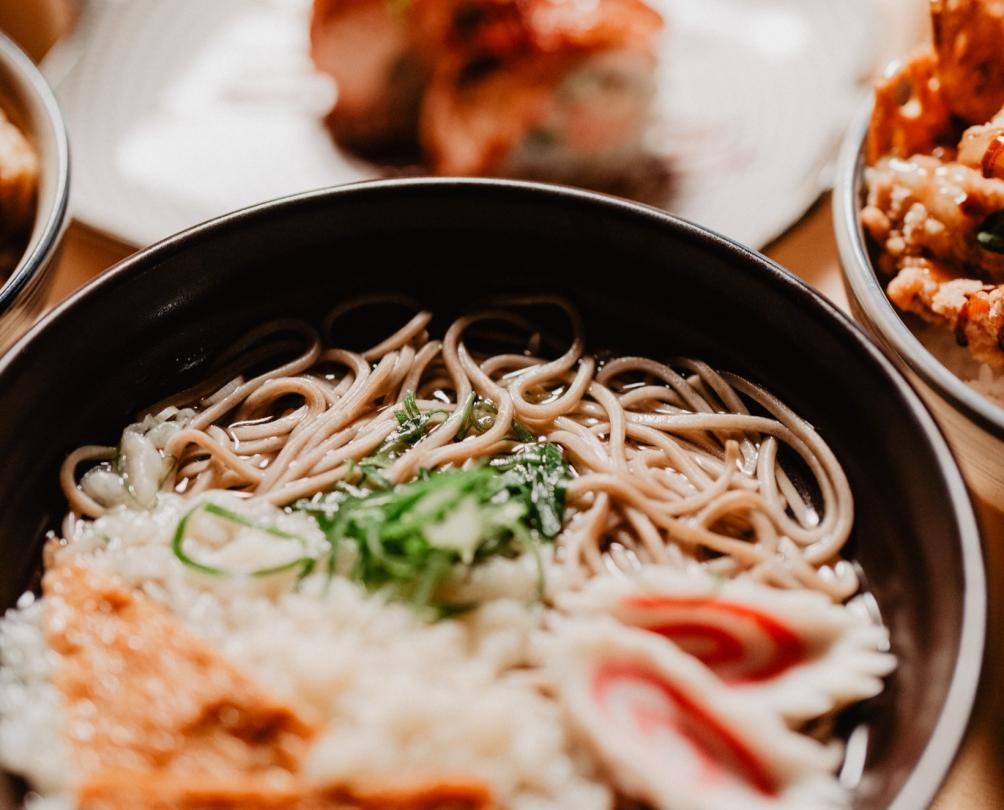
(969, 42)
(366, 47)
(424, 794)
(910, 115)
(157, 720)
(974, 311)
(117, 790)
(142, 693)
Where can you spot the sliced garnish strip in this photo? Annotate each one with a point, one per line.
(797, 652)
(672, 711)
(671, 734)
(740, 643)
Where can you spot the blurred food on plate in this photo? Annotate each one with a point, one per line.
(183, 110)
(482, 87)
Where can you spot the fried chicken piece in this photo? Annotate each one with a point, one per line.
(982, 147)
(909, 115)
(963, 76)
(922, 207)
(969, 42)
(968, 307)
(536, 88)
(935, 209)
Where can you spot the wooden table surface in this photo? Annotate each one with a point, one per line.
(976, 782)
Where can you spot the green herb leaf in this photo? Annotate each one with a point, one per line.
(990, 234)
(413, 426)
(478, 416)
(178, 543)
(538, 475)
(407, 539)
(521, 433)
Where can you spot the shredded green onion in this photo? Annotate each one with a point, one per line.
(178, 542)
(406, 540)
(990, 234)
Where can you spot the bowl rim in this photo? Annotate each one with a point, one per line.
(32, 262)
(934, 763)
(879, 312)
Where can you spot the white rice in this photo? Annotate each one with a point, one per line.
(30, 739)
(977, 375)
(392, 694)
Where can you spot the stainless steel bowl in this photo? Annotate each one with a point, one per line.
(974, 425)
(28, 101)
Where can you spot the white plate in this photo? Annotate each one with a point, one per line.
(180, 110)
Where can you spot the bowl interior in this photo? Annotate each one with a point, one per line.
(645, 283)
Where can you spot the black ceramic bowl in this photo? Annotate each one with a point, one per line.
(646, 283)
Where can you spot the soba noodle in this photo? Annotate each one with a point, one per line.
(471, 564)
(674, 463)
